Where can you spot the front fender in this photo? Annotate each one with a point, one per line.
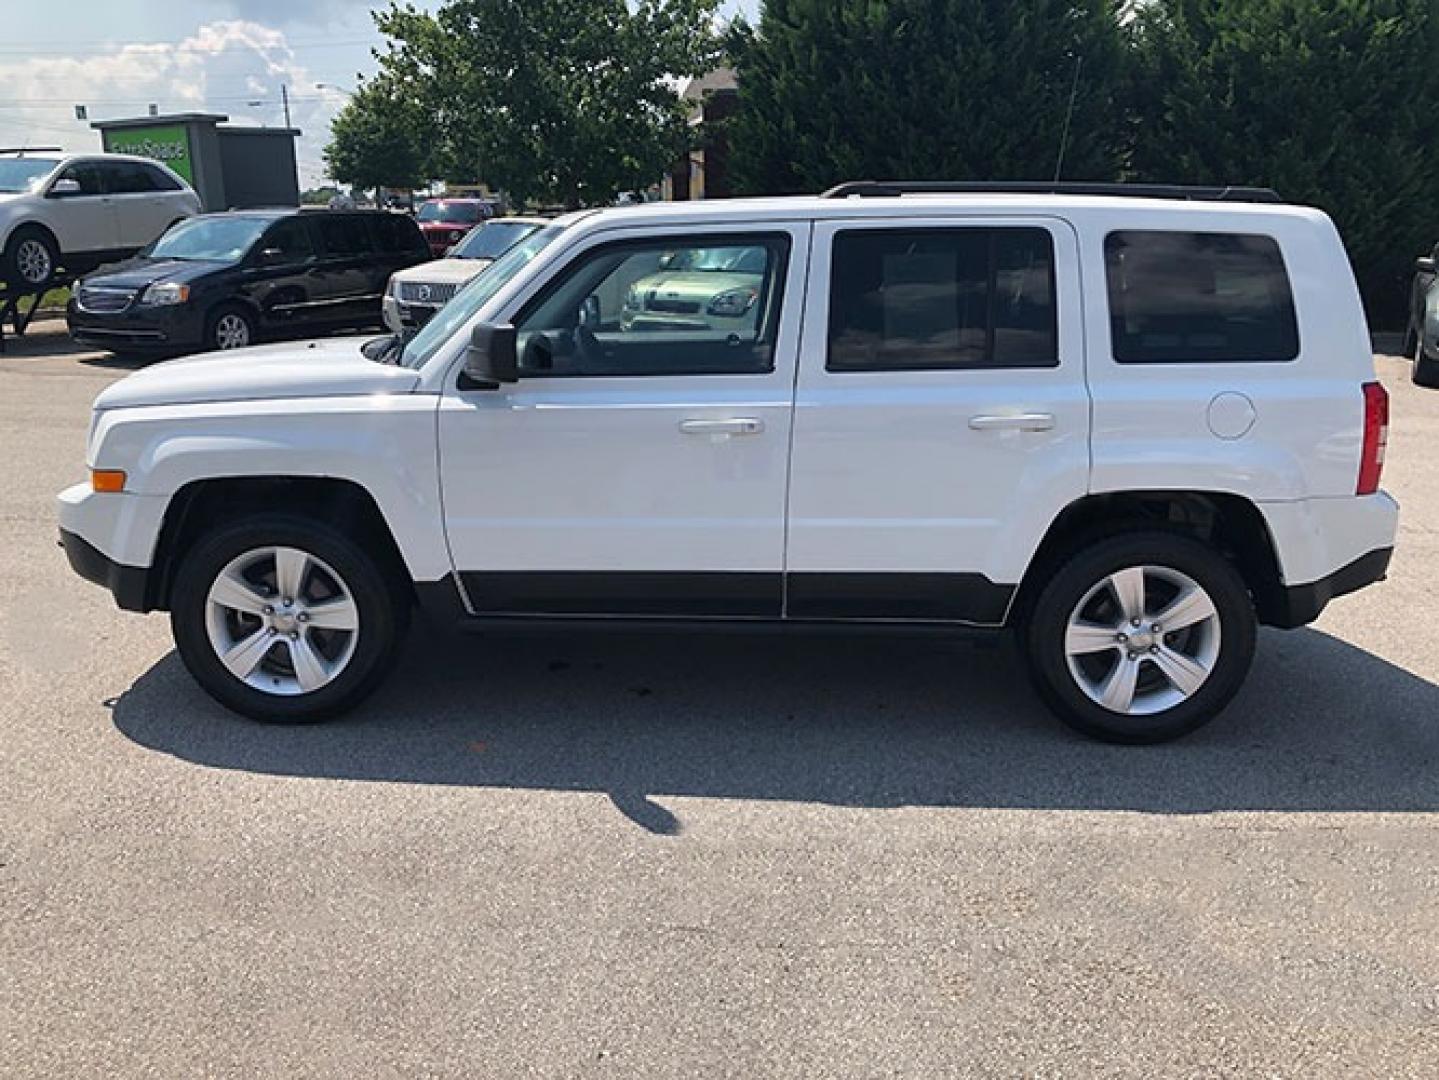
(384, 444)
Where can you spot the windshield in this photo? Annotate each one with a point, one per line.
(451, 213)
(475, 295)
(210, 239)
(492, 239)
(18, 174)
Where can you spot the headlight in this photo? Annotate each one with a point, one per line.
(733, 303)
(165, 294)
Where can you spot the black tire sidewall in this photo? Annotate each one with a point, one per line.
(383, 617)
(1044, 633)
(11, 269)
(1426, 370)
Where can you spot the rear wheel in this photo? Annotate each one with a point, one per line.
(285, 620)
(31, 259)
(1426, 369)
(1141, 638)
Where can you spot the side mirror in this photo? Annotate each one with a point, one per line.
(492, 357)
(63, 188)
(1424, 264)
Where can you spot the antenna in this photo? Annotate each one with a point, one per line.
(1068, 118)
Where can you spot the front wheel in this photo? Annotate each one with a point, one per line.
(284, 619)
(230, 328)
(1141, 638)
(31, 259)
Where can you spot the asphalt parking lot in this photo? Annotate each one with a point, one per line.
(704, 856)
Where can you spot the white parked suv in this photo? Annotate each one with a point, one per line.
(1130, 428)
(80, 211)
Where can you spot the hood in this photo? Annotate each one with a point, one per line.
(443, 271)
(137, 273)
(329, 368)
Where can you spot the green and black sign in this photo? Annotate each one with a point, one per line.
(167, 143)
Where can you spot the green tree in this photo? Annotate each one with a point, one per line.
(1332, 102)
(562, 101)
(378, 140)
(926, 89)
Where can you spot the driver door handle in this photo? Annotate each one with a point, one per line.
(1013, 422)
(739, 426)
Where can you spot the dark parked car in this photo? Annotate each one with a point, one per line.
(223, 281)
(1424, 274)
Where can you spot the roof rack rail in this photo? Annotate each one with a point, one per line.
(22, 150)
(871, 189)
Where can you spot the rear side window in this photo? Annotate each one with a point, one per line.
(344, 234)
(397, 234)
(161, 181)
(910, 299)
(1177, 297)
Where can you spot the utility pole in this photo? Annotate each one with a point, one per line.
(285, 100)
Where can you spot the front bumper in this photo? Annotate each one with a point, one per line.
(138, 328)
(130, 585)
(110, 539)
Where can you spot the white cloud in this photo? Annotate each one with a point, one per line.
(223, 67)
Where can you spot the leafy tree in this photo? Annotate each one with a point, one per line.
(1332, 102)
(563, 101)
(378, 140)
(926, 89)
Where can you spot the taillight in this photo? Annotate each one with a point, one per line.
(1376, 437)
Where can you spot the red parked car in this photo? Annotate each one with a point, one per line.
(446, 221)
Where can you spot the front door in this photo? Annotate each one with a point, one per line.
(941, 415)
(638, 467)
(85, 222)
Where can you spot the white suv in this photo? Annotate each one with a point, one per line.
(80, 211)
(1132, 429)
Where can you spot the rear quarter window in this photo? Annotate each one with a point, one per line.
(397, 234)
(1190, 297)
(344, 234)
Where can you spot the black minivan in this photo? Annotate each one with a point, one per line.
(223, 281)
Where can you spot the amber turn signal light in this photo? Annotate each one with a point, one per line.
(107, 479)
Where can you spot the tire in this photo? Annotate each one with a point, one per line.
(1426, 369)
(229, 326)
(1071, 674)
(227, 600)
(31, 259)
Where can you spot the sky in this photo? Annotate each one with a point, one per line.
(117, 57)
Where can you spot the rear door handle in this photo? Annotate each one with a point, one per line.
(1013, 422)
(739, 426)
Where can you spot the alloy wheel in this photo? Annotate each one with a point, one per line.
(231, 331)
(282, 621)
(1143, 640)
(32, 260)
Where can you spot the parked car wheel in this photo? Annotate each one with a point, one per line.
(1141, 638)
(286, 620)
(1426, 368)
(1411, 338)
(230, 327)
(31, 259)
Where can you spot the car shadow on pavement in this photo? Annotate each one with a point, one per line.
(874, 722)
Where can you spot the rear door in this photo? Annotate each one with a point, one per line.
(143, 209)
(941, 415)
(344, 279)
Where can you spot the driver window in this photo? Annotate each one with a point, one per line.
(292, 239)
(672, 306)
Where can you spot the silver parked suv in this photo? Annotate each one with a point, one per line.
(80, 211)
